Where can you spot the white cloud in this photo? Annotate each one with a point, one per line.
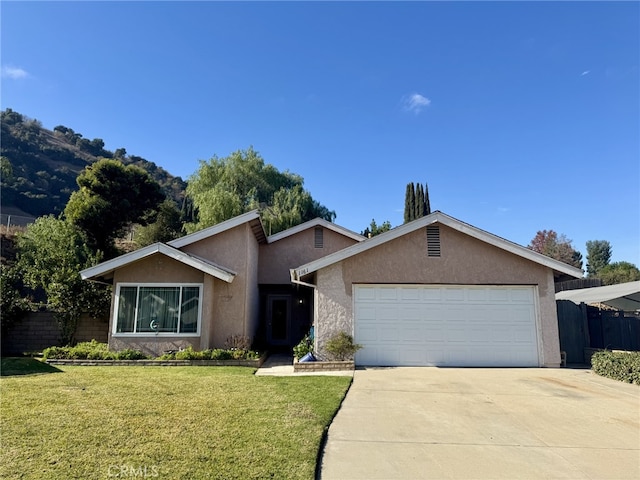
(415, 103)
(586, 72)
(15, 73)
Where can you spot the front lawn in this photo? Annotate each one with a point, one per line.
(164, 422)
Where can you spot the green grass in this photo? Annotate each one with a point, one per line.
(167, 422)
(10, 366)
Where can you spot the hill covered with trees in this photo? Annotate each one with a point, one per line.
(40, 166)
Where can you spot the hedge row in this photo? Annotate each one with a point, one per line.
(94, 350)
(623, 366)
(91, 351)
(216, 354)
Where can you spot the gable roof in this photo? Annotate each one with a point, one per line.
(252, 217)
(316, 222)
(441, 218)
(103, 271)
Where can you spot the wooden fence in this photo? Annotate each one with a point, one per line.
(583, 326)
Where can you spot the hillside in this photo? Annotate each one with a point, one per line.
(40, 166)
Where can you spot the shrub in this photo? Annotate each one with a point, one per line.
(189, 354)
(56, 352)
(305, 346)
(220, 354)
(341, 346)
(622, 366)
(92, 350)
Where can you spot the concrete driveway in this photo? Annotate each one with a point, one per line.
(421, 423)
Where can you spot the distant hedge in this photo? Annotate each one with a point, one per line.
(623, 366)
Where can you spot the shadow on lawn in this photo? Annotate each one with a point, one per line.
(10, 366)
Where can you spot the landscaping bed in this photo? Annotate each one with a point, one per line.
(322, 366)
(98, 354)
(257, 363)
(619, 365)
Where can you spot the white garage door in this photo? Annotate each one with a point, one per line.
(412, 325)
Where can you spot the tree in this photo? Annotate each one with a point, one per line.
(167, 227)
(408, 215)
(225, 187)
(598, 256)
(51, 253)
(111, 198)
(416, 202)
(373, 229)
(427, 202)
(549, 243)
(619, 272)
(6, 169)
(13, 304)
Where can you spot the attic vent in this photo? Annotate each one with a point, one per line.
(433, 241)
(319, 237)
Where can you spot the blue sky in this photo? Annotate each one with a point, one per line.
(520, 116)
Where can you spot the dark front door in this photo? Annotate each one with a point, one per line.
(278, 319)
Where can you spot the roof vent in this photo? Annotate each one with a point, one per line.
(433, 241)
(319, 238)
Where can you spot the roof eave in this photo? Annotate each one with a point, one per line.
(439, 217)
(99, 272)
(219, 228)
(315, 223)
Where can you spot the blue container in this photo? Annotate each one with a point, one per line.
(308, 358)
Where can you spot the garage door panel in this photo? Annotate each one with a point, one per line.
(388, 334)
(454, 295)
(446, 325)
(365, 294)
(387, 294)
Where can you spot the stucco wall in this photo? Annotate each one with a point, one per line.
(464, 260)
(290, 252)
(253, 294)
(155, 269)
(234, 307)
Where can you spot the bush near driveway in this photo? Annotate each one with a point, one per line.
(179, 422)
(623, 366)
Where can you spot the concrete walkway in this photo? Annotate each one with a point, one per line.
(281, 365)
(424, 423)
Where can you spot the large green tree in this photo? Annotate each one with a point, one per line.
(225, 187)
(598, 256)
(112, 196)
(51, 253)
(549, 243)
(619, 272)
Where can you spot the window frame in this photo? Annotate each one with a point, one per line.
(116, 308)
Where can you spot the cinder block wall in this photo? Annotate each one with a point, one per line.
(39, 330)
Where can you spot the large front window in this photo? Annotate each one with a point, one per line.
(151, 309)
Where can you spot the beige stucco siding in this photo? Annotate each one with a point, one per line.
(252, 298)
(155, 269)
(234, 306)
(464, 261)
(290, 252)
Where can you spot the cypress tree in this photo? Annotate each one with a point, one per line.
(407, 203)
(427, 203)
(412, 202)
(419, 201)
